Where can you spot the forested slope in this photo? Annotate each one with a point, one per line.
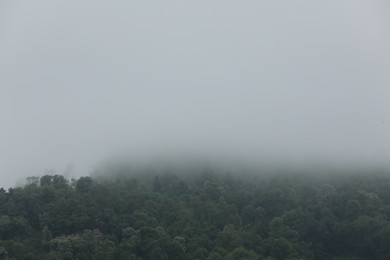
(205, 216)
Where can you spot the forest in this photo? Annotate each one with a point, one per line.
(202, 215)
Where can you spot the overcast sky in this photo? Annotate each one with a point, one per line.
(292, 80)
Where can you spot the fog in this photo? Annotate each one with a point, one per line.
(283, 81)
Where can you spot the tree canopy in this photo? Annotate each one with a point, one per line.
(202, 216)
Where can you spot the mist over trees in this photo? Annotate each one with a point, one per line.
(300, 88)
(208, 214)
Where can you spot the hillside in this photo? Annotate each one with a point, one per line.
(203, 216)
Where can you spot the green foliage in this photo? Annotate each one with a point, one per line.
(204, 216)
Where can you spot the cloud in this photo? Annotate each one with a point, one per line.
(82, 80)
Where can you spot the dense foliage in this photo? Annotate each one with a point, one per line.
(205, 216)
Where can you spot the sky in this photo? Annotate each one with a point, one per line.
(297, 81)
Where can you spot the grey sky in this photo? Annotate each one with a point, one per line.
(294, 80)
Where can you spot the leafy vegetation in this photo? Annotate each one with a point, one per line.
(202, 216)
